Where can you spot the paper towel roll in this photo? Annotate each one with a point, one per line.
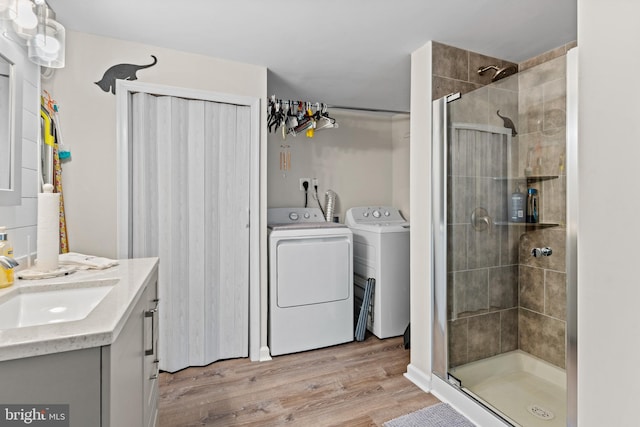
(48, 242)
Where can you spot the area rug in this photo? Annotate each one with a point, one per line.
(439, 415)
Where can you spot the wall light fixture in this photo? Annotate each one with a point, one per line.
(33, 23)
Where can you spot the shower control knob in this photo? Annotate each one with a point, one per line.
(366, 214)
(306, 215)
(376, 214)
(293, 216)
(538, 252)
(386, 213)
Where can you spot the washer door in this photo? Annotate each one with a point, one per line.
(313, 271)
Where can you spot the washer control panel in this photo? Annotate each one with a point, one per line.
(294, 215)
(374, 215)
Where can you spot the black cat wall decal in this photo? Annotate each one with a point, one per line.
(508, 123)
(122, 72)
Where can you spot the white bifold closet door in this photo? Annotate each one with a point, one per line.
(190, 207)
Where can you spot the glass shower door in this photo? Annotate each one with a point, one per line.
(480, 268)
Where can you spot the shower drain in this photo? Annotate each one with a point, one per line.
(541, 412)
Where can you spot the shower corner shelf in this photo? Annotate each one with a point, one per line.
(529, 179)
(527, 224)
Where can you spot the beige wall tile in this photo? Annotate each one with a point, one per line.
(484, 336)
(458, 334)
(457, 247)
(444, 86)
(542, 336)
(532, 288)
(555, 294)
(503, 287)
(508, 330)
(451, 62)
(471, 292)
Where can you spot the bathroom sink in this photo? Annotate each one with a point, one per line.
(30, 308)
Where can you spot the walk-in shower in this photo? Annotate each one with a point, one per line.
(503, 330)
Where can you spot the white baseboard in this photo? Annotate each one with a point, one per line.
(419, 378)
(265, 354)
(462, 403)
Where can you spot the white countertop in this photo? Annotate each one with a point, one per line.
(100, 327)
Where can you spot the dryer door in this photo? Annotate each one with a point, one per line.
(313, 270)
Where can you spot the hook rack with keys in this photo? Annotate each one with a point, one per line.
(297, 117)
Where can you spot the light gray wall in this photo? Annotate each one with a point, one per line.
(88, 118)
(400, 163)
(365, 161)
(608, 155)
(419, 370)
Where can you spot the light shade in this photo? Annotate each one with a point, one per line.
(8, 10)
(25, 23)
(46, 47)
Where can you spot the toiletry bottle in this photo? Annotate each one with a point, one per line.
(517, 206)
(533, 207)
(6, 275)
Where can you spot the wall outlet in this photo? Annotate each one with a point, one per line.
(302, 181)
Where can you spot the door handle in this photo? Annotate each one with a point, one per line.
(151, 314)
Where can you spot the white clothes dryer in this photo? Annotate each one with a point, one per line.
(310, 281)
(381, 251)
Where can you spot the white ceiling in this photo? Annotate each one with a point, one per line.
(343, 52)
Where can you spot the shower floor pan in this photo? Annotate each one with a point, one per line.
(527, 391)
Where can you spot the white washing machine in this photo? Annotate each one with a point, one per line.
(310, 281)
(381, 251)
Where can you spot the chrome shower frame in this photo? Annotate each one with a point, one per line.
(572, 238)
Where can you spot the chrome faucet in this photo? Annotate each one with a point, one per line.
(8, 262)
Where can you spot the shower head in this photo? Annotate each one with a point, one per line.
(500, 73)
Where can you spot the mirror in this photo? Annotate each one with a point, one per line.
(5, 128)
(11, 57)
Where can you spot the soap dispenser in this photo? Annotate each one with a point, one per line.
(7, 263)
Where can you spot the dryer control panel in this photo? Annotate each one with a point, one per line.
(294, 215)
(374, 215)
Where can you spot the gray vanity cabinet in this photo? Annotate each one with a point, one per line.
(108, 386)
(130, 368)
(70, 378)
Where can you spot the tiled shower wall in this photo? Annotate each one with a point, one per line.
(504, 298)
(542, 142)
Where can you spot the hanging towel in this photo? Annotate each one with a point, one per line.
(57, 184)
(86, 262)
(52, 137)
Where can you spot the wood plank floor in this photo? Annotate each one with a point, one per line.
(355, 384)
